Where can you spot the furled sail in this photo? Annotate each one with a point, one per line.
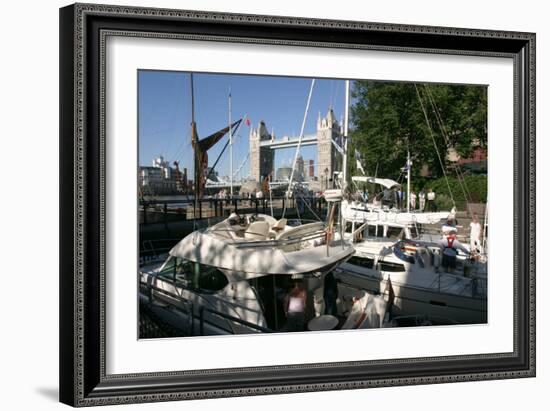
(201, 148)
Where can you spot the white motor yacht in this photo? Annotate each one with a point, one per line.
(234, 273)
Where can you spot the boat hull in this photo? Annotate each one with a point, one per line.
(410, 300)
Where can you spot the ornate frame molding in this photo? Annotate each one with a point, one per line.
(82, 295)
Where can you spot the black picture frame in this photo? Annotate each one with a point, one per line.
(83, 381)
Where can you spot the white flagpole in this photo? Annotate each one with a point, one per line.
(345, 160)
(346, 129)
(230, 147)
(408, 181)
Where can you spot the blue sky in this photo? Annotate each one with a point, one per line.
(165, 113)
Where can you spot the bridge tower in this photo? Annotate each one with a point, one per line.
(328, 160)
(261, 158)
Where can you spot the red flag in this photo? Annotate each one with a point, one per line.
(247, 122)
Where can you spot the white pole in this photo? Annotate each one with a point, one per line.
(299, 142)
(345, 160)
(230, 147)
(408, 181)
(346, 129)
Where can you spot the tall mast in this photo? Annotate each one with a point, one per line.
(192, 101)
(346, 129)
(408, 180)
(345, 160)
(194, 140)
(230, 148)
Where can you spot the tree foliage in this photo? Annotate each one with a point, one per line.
(473, 189)
(387, 119)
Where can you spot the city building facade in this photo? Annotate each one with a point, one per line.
(161, 179)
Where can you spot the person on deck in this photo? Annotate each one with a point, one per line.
(449, 226)
(386, 197)
(295, 308)
(400, 198)
(366, 195)
(421, 200)
(449, 250)
(431, 200)
(475, 235)
(413, 200)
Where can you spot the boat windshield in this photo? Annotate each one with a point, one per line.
(193, 275)
(377, 231)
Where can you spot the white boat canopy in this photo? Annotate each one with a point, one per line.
(386, 182)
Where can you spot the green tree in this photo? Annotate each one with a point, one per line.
(388, 119)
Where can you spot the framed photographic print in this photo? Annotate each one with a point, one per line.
(261, 204)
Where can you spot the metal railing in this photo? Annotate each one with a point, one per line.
(187, 307)
(318, 233)
(189, 209)
(152, 251)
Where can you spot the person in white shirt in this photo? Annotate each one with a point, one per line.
(449, 250)
(448, 227)
(413, 200)
(421, 200)
(475, 235)
(431, 200)
(295, 308)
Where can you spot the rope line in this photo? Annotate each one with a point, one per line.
(435, 144)
(299, 143)
(459, 174)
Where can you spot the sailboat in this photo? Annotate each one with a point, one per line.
(386, 252)
(377, 214)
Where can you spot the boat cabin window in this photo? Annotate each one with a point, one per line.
(395, 233)
(175, 269)
(362, 261)
(391, 267)
(209, 279)
(349, 226)
(373, 231)
(193, 275)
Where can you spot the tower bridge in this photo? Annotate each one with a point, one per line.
(286, 142)
(328, 136)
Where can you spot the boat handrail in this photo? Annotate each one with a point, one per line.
(189, 309)
(274, 242)
(155, 249)
(280, 242)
